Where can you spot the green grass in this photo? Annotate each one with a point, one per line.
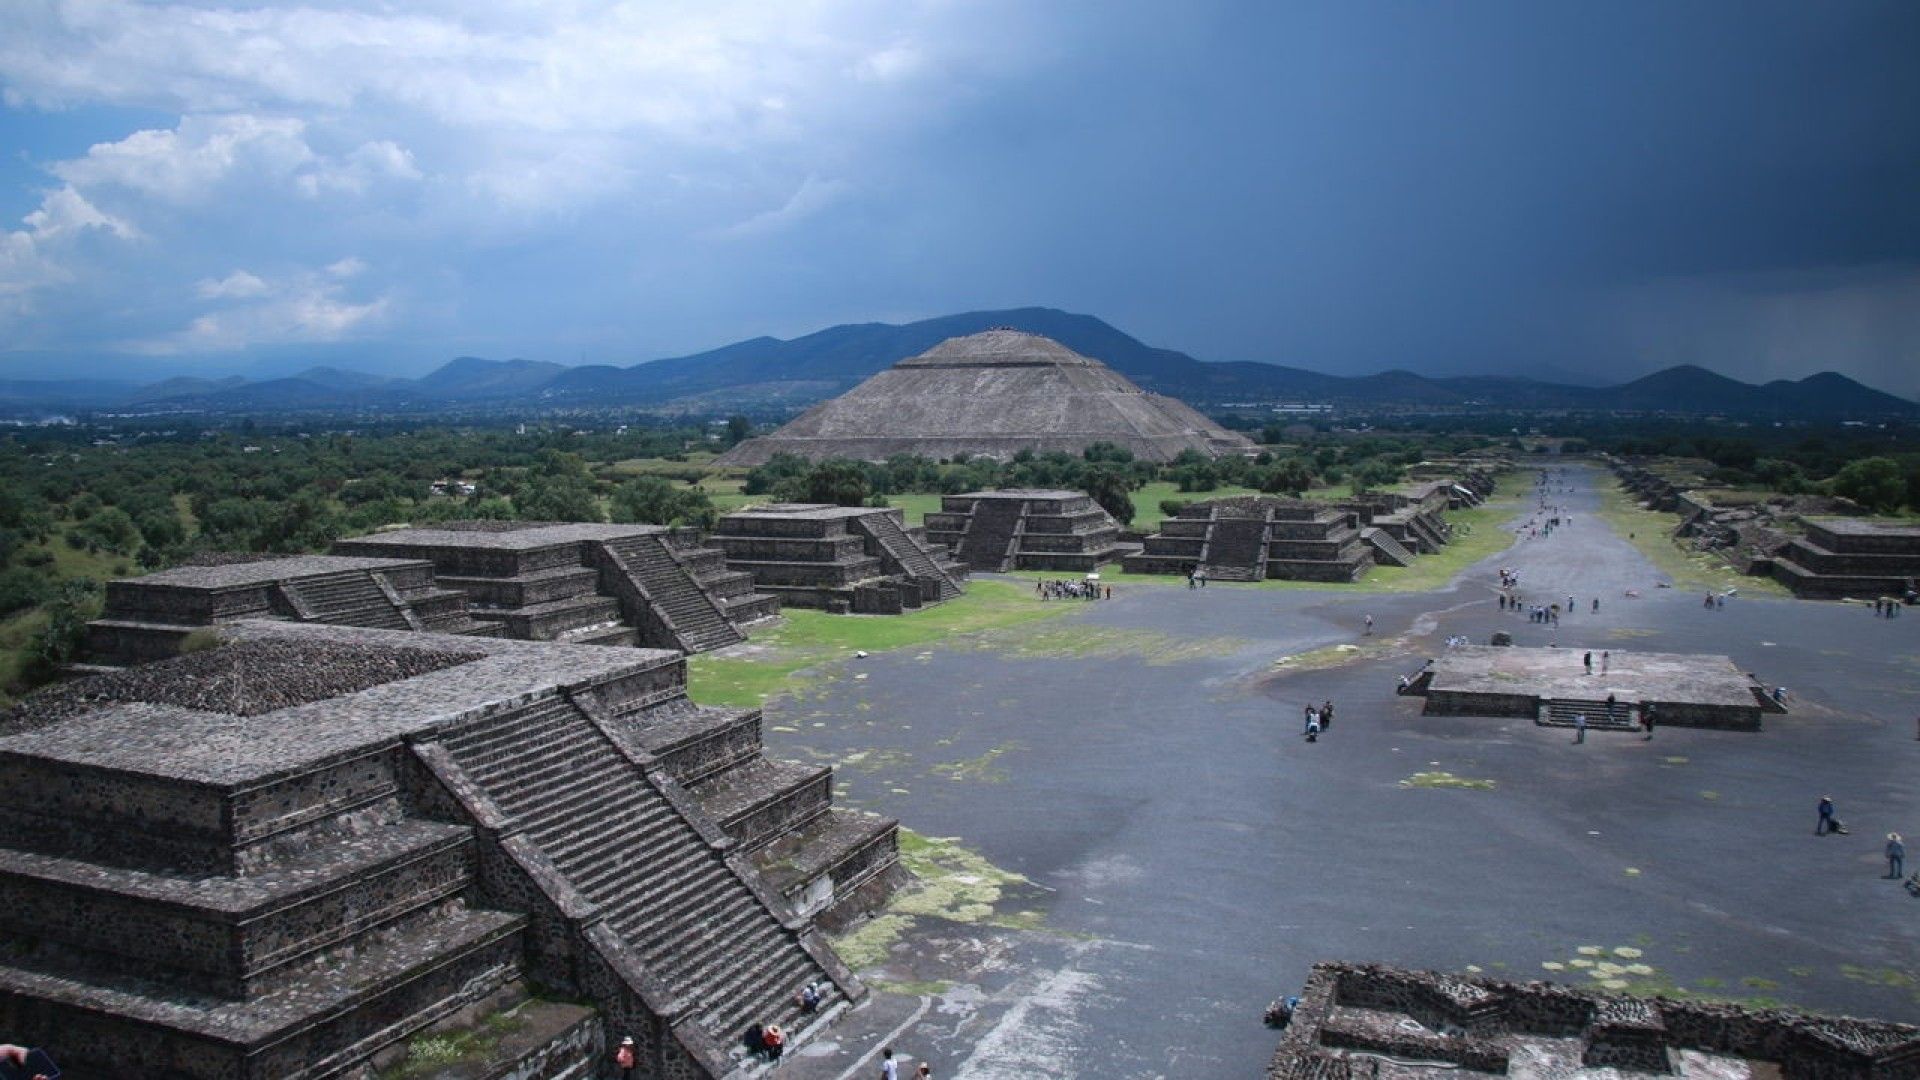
(1146, 501)
(776, 658)
(1651, 531)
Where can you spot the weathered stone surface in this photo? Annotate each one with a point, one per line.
(993, 394)
(1420, 1023)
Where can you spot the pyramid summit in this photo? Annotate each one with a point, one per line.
(993, 394)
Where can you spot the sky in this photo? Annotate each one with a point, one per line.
(1559, 188)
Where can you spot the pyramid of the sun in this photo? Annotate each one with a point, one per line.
(993, 394)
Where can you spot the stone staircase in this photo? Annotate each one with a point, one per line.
(619, 837)
(691, 617)
(988, 546)
(1236, 550)
(350, 599)
(1430, 535)
(1560, 712)
(909, 557)
(1385, 547)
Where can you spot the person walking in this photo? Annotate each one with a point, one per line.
(1896, 856)
(1588, 661)
(1326, 715)
(888, 1070)
(1369, 625)
(1580, 728)
(1605, 659)
(1646, 721)
(1825, 824)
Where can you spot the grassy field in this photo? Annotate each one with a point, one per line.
(1146, 501)
(779, 660)
(1651, 531)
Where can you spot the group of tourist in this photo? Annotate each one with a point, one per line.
(1071, 589)
(1319, 719)
(1887, 607)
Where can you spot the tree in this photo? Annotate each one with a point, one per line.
(837, 481)
(1290, 477)
(1108, 487)
(1875, 483)
(738, 428)
(653, 500)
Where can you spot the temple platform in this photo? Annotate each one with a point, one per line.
(1553, 686)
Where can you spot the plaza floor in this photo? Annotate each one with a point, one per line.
(1184, 854)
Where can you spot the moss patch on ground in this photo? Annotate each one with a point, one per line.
(1623, 969)
(1651, 531)
(1446, 780)
(432, 1053)
(951, 883)
(1080, 641)
(773, 662)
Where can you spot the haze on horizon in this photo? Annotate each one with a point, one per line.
(1562, 189)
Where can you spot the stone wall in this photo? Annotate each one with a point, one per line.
(1475, 1023)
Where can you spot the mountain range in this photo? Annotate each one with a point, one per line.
(767, 374)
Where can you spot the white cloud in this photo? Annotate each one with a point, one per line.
(306, 307)
(35, 257)
(238, 285)
(189, 163)
(65, 211)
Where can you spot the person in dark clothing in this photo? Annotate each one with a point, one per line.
(1825, 824)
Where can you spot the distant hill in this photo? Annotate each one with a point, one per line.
(771, 373)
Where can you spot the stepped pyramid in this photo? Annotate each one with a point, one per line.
(993, 394)
(276, 858)
(584, 583)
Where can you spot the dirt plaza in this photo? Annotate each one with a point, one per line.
(1131, 848)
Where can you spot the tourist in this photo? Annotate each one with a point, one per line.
(925, 1070)
(1580, 727)
(1312, 718)
(1313, 729)
(1896, 856)
(1826, 823)
(1326, 715)
(1646, 721)
(1609, 708)
(1369, 622)
(776, 1041)
(1605, 658)
(624, 1059)
(1596, 604)
(809, 999)
(888, 1070)
(1588, 661)
(21, 1058)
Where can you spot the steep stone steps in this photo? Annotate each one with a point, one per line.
(622, 843)
(1385, 547)
(908, 557)
(1236, 550)
(699, 623)
(988, 542)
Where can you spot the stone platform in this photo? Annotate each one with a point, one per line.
(1857, 558)
(858, 559)
(585, 583)
(1376, 1021)
(281, 855)
(1551, 686)
(1026, 529)
(148, 618)
(1257, 537)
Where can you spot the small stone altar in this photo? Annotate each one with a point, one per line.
(1554, 685)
